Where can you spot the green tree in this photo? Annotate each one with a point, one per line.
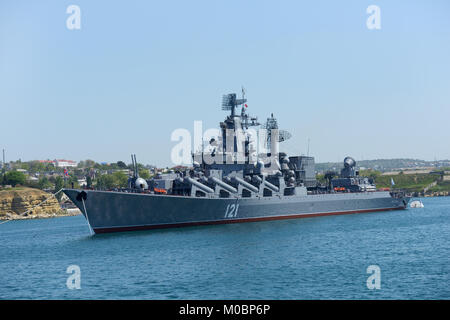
(144, 173)
(370, 173)
(78, 172)
(43, 183)
(121, 179)
(106, 181)
(49, 167)
(72, 180)
(121, 165)
(88, 182)
(36, 166)
(81, 164)
(59, 184)
(15, 177)
(115, 180)
(89, 163)
(97, 166)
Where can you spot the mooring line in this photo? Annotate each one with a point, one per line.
(87, 218)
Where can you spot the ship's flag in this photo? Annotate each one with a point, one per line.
(246, 105)
(392, 182)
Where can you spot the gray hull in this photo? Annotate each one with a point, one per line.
(119, 211)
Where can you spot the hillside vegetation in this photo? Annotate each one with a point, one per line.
(416, 183)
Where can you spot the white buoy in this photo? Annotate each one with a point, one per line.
(416, 204)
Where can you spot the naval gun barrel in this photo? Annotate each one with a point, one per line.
(271, 186)
(246, 184)
(224, 185)
(199, 185)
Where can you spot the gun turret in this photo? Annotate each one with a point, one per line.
(137, 182)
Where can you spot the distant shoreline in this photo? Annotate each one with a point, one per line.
(67, 213)
(434, 195)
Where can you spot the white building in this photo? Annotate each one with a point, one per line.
(82, 182)
(62, 163)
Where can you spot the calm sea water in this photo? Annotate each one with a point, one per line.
(313, 258)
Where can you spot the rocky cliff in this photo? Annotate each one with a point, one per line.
(16, 201)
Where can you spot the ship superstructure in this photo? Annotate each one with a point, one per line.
(232, 180)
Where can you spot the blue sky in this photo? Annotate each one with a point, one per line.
(137, 70)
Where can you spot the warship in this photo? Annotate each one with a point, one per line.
(230, 181)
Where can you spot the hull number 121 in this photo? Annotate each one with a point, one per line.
(231, 211)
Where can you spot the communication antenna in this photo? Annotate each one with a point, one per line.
(229, 102)
(308, 147)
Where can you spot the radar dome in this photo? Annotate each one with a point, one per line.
(349, 162)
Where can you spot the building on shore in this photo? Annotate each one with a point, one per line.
(61, 163)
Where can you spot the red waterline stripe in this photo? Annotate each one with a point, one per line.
(203, 223)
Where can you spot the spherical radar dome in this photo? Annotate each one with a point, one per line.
(349, 162)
